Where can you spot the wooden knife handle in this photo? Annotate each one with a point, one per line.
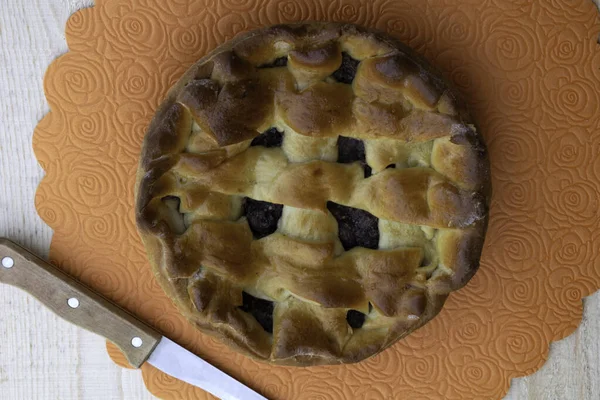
(75, 302)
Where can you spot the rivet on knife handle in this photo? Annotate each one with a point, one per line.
(75, 302)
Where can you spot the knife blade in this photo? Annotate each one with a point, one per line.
(139, 342)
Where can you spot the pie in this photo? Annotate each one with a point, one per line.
(311, 193)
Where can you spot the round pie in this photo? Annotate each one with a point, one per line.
(312, 193)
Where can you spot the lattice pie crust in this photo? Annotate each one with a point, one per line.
(311, 193)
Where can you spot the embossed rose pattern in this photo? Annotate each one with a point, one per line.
(529, 71)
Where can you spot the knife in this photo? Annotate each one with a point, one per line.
(140, 343)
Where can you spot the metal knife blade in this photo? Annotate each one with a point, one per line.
(176, 361)
(140, 343)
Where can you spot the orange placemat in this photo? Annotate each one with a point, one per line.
(531, 72)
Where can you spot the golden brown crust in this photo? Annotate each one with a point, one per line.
(197, 166)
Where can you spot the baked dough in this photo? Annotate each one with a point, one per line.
(311, 193)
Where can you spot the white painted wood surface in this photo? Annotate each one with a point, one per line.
(42, 357)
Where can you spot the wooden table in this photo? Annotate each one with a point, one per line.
(42, 357)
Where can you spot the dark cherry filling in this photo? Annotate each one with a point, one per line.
(346, 72)
(356, 228)
(355, 319)
(269, 138)
(260, 309)
(351, 150)
(279, 62)
(262, 216)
